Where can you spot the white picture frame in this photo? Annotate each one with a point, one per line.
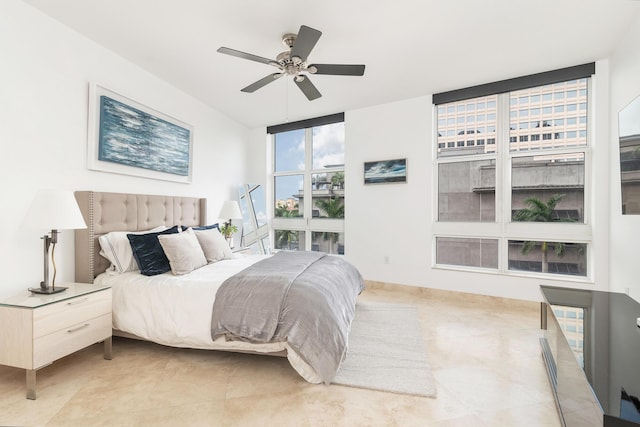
(130, 138)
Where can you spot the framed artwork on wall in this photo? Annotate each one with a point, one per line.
(385, 171)
(130, 138)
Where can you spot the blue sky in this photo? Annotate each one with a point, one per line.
(328, 149)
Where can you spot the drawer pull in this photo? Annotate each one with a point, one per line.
(78, 301)
(77, 328)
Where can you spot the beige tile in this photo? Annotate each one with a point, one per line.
(484, 352)
(539, 415)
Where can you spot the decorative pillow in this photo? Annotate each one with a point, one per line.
(148, 252)
(116, 248)
(214, 246)
(183, 251)
(205, 227)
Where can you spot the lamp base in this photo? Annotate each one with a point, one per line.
(48, 291)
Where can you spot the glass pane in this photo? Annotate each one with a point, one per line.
(259, 204)
(548, 257)
(466, 191)
(288, 192)
(289, 240)
(629, 125)
(328, 242)
(289, 151)
(266, 245)
(247, 224)
(552, 116)
(571, 321)
(467, 127)
(328, 195)
(467, 252)
(328, 146)
(548, 188)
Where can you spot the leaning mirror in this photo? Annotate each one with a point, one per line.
(255, 229)
(629, 129)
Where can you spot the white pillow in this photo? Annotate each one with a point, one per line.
(183, 251)
(116, 248)
(214, 246)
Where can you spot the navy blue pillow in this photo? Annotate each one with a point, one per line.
(149, 253)
(205, 227)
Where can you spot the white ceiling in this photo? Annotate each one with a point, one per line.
(410, 47)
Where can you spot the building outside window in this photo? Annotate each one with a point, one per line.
(309, 185)
(517, 204)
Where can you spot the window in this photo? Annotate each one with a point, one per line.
(516, 204)
(309, 185)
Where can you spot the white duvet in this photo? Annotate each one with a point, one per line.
(176, 310)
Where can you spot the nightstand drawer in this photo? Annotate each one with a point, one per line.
(69, 312)
(72, 338)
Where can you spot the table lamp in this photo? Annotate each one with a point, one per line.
(55, 210)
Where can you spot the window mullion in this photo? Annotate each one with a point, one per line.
(308, 191)
(503, 180)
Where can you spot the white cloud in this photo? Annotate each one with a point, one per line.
(328, 145)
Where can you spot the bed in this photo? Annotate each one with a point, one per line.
(198, 309)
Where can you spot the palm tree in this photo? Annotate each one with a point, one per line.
(337, 180)
(284, 238)
(540, 211)
(283, 211)
(334, 208)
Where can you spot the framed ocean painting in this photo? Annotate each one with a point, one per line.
(130, 138)
(385, 171)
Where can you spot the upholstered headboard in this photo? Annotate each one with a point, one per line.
(106, 212)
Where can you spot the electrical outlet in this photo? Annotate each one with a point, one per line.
(386, 259)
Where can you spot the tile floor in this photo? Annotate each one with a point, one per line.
(484, 353)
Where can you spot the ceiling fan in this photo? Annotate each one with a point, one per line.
(293, 62)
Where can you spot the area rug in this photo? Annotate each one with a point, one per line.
(387, 351)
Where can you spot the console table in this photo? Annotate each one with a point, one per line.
(597, 382)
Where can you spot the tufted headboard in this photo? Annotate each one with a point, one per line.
(105, 212)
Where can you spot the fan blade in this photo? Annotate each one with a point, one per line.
(305, 41)
(308, 88)
(262, 82)
(244, 55)
(337, 69)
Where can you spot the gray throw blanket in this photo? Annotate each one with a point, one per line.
(304, 298)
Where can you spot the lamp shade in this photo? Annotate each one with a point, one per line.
(54, 210)
(230, 210)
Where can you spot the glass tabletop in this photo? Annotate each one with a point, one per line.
(27, 299)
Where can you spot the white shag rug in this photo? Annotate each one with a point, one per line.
(387, 351)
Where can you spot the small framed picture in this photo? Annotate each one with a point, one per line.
(385, 171)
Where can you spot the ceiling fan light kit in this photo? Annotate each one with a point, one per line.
(293, 62)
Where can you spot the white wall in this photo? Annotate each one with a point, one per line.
(394, 220)
(44, 79)
(624, 229)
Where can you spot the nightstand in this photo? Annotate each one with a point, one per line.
(37, 330)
